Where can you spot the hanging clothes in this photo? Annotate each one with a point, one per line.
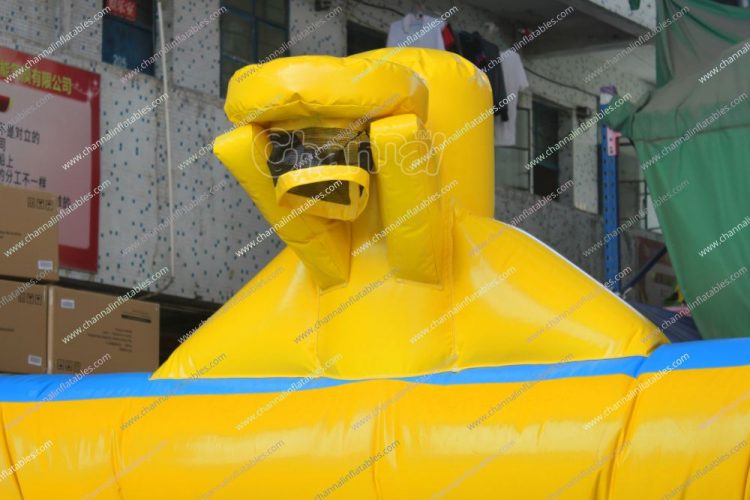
(497, 78)
(481, 52)
(449, 39)
(515, 81)
(413, 31)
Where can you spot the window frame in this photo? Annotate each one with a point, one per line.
(151, 69)
(561, 111)
(520, 110)
(254, 20)
(365, 30)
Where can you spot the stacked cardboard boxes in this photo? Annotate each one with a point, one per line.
(23, 327)
(85, 327)
(28, 255)
(28, 238)
(45, 328)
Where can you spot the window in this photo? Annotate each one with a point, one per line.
(511, 161)
(128, 33)
(547, 122)
(251, 32)
(540, 124)
(361, 39)
(629, 182)
(634, 199)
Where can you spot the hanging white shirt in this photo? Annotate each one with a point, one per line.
(515, 81)
(413, 32)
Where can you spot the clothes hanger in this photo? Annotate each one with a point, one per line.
(415, 15)
(419, 9)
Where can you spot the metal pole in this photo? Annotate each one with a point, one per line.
(610, 193)
(164, 77)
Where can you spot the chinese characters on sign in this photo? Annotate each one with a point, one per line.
(37, 78)
(51, 113)
(8, 174)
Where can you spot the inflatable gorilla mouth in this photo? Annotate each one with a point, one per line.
(302, 165)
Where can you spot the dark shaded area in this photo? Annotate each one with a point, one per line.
(681, 330)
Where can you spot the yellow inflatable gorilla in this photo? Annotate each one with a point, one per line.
(377, 172)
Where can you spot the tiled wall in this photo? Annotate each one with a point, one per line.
(195, 62)
(328, 39)
(135, 159)
(87, 44)
(37, 20)
(207, 236)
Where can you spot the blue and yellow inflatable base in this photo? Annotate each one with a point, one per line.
(671, 425)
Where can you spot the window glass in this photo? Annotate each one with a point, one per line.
(361, 38)
(251, 31)
(272, 10)
(270, 39)
(237, 37)
(145, 12)
(228, 67)
(246, 5)
(511, 161)
(546, 130)
(631, 184)
(127, 34)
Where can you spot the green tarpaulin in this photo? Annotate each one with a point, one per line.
(693, 141)
(699, 31)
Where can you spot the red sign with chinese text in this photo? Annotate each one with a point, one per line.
(126, 9)
(52, 116)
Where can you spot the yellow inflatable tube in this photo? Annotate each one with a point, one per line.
(674, 425)
(404, 345)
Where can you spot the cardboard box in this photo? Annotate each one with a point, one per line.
(28, 248)
(87, 327)
(23, 327)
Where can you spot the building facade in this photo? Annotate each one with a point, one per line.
(207, 40)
